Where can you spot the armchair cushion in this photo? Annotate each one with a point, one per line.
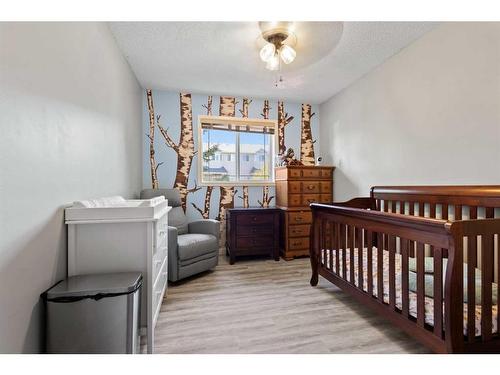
(205, 226)
(177, 218)
(193, 245)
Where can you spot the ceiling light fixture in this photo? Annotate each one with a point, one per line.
(279, 44)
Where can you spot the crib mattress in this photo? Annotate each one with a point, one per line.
(429, 302)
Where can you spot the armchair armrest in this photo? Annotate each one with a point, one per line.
(205, 226)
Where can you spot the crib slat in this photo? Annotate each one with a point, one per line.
(322, 239)
(490, 212)
(351, 234)
(444, 211)
(380, 268)
(438, 292)
(471, 287)
(393, 207)
(432, 210)
(337, 249)
(369, 262)
(343, 233)
(404, 277)
(332, 244)
(412, 208)
(402, 207)
(498, 299)
(421, 209)
(472, 212)
(486, 279)
(386, 206)
(359, 245)
(392, 271)
(458, 212)
(420, 284)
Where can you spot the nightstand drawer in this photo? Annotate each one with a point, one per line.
(257, 219)
(298, 243)
(257, 241)
(254, 230)
(299, 230)
(300, 217)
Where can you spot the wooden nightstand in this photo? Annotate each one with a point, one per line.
(252, 231)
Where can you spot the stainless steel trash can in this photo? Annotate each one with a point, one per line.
(94, 314)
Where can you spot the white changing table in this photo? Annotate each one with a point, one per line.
(130, 237)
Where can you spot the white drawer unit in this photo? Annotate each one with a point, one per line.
(131, 237)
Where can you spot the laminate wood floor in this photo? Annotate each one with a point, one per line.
(263, 306)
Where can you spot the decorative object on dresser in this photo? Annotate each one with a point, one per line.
(110, 235)
(296, 188)
(252, 231)
(193, 247)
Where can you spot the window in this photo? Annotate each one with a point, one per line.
(236, 151)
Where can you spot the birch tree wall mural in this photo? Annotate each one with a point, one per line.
(205, 212)
(306, 140)
(265, 189)
(227, 107)
(184, 149)
(283, 120)
(172, 140)
(151, 136)
(244, 114)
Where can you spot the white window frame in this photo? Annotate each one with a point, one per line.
(236, 121)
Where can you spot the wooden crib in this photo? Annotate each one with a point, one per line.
(404, 248)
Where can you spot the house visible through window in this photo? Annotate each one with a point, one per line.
(236, 150)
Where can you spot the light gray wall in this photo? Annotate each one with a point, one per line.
(70, 115)
(428, 115)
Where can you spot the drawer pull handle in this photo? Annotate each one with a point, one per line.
(298, 219)
(310, 187)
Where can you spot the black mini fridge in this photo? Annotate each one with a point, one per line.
(98, 314)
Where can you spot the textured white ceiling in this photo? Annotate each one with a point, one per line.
(222, 57)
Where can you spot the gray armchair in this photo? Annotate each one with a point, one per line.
(193, 247)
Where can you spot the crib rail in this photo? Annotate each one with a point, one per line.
(352, 245)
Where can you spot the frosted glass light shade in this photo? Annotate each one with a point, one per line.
(287, 54)
(273, 63)
(267, 52)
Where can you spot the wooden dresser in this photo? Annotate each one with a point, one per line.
(296, 188)
(252, 231)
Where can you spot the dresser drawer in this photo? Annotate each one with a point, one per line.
(300, 217)
(254, 230)
(295, 200)
(326, 187)
(257, 219)
(257, 241)
(299, 230)
(294, 173)
(298, 243)
(295, 187)
(326, 198)
(311, 173)
(327, 173)
(307, 199)
(310, 187)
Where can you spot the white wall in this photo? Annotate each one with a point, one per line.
(70, 115)
(428, 115)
